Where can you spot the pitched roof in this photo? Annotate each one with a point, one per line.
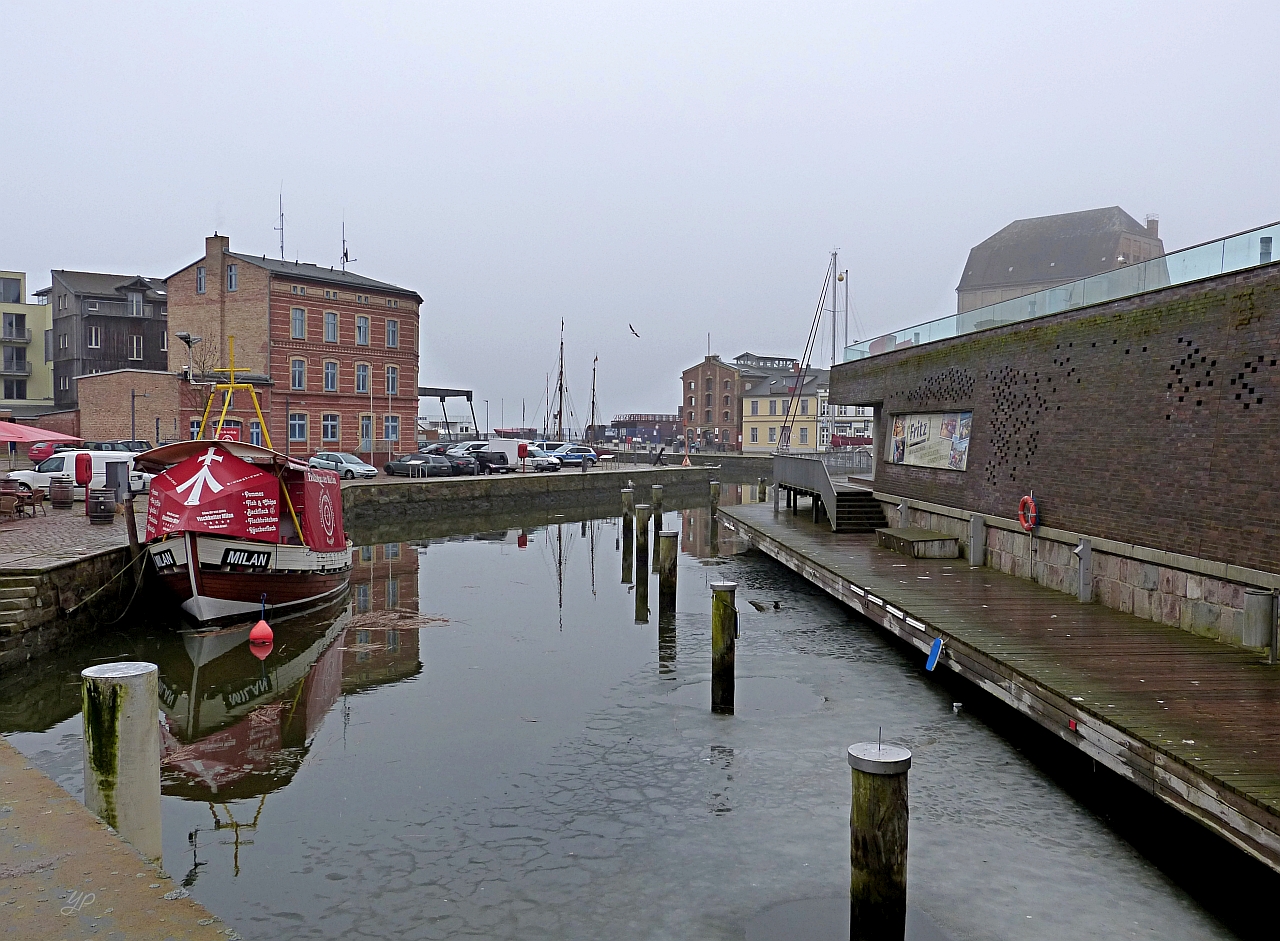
(105, 285)
(295, 269)
(784, 384)
(1064, 247)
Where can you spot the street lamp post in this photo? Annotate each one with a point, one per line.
(486, 418)
(133, 417)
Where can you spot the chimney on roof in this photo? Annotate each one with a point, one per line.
(215, 246)
(1153, 225)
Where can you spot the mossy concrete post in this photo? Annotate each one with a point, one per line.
(642, 536)
(760, 490)
(724, 633)
(121, 707)
(878, 842)
(628, 501)
(668, 554)
(656, 502)
(715, 494)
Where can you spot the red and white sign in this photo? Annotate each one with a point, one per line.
(318, 500)
(229, 433)
(216, 493)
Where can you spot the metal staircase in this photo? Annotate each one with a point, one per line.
(848, 508)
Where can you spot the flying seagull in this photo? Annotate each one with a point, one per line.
(633, 330)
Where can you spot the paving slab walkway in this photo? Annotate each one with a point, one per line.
(1190, 720)
(35, 544)
(65, 875)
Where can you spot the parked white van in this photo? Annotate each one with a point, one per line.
(63, 464)
(511, 448)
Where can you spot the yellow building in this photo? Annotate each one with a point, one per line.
(772, 410)
(26, 375)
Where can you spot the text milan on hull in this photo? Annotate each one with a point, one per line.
(219, 540)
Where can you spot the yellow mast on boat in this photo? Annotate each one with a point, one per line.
(229, 388)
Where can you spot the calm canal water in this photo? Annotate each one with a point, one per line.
(485, 743)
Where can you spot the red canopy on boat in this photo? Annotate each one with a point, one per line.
(215, 492)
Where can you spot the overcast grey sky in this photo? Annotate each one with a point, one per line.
(685, 168)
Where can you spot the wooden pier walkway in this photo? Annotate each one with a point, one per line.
(1193, 722)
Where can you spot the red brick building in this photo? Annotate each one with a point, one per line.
(333, 354)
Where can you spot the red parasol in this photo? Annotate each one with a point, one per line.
(26, 434)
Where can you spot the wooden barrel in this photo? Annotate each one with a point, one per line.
(61, 492)
(102, 507)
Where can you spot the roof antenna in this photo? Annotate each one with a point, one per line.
(280, 227)
(346, 257)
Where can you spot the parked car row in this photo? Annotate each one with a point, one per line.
(44, 449)
(443, 459)
(63, 465)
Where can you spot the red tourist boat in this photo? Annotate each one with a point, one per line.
(258, 522)
(231, 525)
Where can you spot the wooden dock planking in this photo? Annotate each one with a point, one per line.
(1193, 722)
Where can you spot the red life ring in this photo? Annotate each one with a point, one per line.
(1027, 513)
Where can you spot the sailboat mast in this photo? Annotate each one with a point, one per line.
(560, 389)
(592, 426)
(835, 296)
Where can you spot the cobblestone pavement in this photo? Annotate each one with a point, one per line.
(32, 544)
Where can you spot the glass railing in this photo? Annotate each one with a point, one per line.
(1236, 252)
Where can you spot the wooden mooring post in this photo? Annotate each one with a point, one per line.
(642, 571)
(878, 842)
(120, 702)
(668, 554)
(655, 500)
(642, 536)
(724, 633)
(628, 535)
(715, 494)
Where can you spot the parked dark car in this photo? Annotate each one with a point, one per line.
(461, 463)
(492, 462)
(136, 446)
(416, 464)
(440, 447)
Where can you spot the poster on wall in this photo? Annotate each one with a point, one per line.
(933, 440)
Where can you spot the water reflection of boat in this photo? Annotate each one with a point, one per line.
(234, 726)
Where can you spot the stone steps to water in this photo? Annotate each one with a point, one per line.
(24, 591)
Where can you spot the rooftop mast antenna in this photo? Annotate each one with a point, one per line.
(346, 257)
(280, 227)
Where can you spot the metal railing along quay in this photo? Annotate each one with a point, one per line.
(1233, 253)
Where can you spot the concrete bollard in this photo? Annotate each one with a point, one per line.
(878, 842)
(656, 502)
(668, 555)
(724, 632)
(1084, 570)
(1259, 615)
(715, 493)
(121, 706)
(776, 495)
(642, 536)
(977, 539)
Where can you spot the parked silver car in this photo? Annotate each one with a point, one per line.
(347, 466)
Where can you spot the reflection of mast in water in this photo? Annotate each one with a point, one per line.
(560, 571)
(236, 827)
(593, 558)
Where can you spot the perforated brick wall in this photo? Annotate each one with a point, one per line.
(1153, 420)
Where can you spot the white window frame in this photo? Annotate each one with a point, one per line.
(755, 435)
(233, 278)
(297, 323)
(200, 282)
(334, 386)
(326, 423)
(135, 347)
(294, 384)
(331, 319)
(390, 427)
(362, 329)
(393, 380)
(164, 341)
(94, 340)
(362, 370)
(393, 334)
(302, 423)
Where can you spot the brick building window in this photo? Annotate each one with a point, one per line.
(393, 333)
(297, 426)
(331, 377)
(330, 326)
(233, 278)
(726, 416)
(726, 400)
(200, 279)
(194, 428)
(329, 427)
(255, 433)
(726, 385)
(362, 378)
(135, 347)
(366, 432)
(298, 374)
(393, 380)
(691, 418)
(708, 416)
(298, 324)
(391, 427)
(362, 331)
(710, 384)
